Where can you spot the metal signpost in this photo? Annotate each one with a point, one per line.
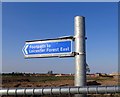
(80, 58)
(63, 47)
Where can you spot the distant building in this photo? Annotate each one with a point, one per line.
(91, 75)
(64, 75)
(115, 74)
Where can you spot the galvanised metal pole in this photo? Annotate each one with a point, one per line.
(61, 90)
(80, 57)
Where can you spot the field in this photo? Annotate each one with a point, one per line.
(47, 81)
(40, 81)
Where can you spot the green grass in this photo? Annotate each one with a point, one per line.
(99, 78)
(48, 78)
(38, 78)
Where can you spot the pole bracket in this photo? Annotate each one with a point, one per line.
(80, 53)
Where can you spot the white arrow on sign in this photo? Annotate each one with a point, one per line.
(24, 50)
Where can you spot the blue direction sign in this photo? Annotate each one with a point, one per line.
(47, 48)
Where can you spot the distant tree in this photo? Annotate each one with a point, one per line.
(50, 72)
(87, 68)
(13, 73)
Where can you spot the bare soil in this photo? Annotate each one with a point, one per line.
(45, 81)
